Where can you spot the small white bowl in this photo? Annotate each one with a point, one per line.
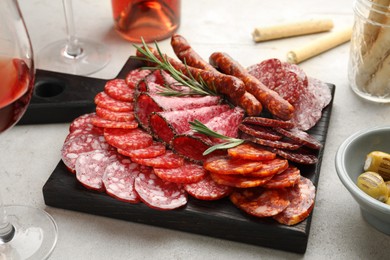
(350, 159)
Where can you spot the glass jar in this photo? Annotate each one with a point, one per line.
(369, 62)
(153, 20)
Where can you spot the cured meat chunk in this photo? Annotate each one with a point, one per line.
(105, 101)
(239, 181)
(301, 198)
(259, 202)
(300, 137)
(208, 189)
(154, 150)
(114, 116)
(187, 173)
(104, 123)
(167, 160)
(90, 168)
(249, 151)
(118, 180)
(72, 149)
(135, 76)
(146, 104)
(287, 178)
(159, 194)
(127, 138)
(118, 89)
(165, 125)
(259, 131)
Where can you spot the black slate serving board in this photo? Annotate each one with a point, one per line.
(220, 219)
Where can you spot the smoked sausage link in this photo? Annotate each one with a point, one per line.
(275, 104)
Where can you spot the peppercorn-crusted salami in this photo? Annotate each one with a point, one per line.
(208, 189)
(119, 90)
(104, 123)
(167, 160)
(135, 76)
(301, 197)
(105, 101)
(157, 193)
(261, 202)
(186, 173)
(127, 138)
(287, 178)
(250, 152)
(153, 150)
(118, 180)
(114, 116)
(239, 181)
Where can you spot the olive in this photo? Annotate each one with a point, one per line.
(373, 184)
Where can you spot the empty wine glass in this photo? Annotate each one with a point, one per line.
(25, 232)
(73, 55)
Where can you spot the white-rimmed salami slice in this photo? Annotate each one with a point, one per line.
(159, 194)
(90, 168)
(167, 160)
(127, 139)
(261, 202)
(301, 197)
(208, 189)
(135, 76)
(287, 178)
(105, 101)
(118, 180)
(154, 150)
(81, 144)
(187, 173)
(118, 89)
(114, 116)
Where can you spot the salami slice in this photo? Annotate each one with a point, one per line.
(280, 144)
(118, 89)
(118, 180)
(187, 173)
(259, 202)
(301, 198)
(135, 76)
(82, 122)
(249, 151)
(167, 160)
(260, 132)
(154, 150)
(300, 137)
(287, 178)
(90, 168)
(72, 149)
(239, 181)
(114, 116)
(208, 189)
(226, 165)
(165, 125)
(159, 194)
(127, 139)
(104, 123)
(301, 156)
(270, 168)
(105, 101)
(269, 122)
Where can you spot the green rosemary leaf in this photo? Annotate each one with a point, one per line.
(223, 146)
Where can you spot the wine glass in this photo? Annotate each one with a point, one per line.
(73, 55)
(25, 232)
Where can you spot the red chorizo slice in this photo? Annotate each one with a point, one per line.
(104, 123)
(239, 181)
(270, 168)
(260, 131)
(187, 173)
(301, 197)
(135, 76)
(118, 180)
(157, 193)
(208, 189)
(127, 138)
(105, 101)
(300, 137)
(154, 150)
(167, 160)
(287, 178)
(269, 122)
(114, 116)
(227, 165)
(260, 202)
(90, 168)
(249, 151)
(118, 89)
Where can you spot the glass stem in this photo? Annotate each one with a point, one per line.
(7, 231)
(72, 48)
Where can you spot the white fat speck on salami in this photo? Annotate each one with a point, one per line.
(118, 89)
(301, 198)
(118, 180)
(159, 194)
(90, 168)
(208, 189)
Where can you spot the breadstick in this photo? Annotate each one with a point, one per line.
(319, 45)
(291, 29)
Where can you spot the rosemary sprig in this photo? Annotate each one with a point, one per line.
(197, 87)
(230, 141)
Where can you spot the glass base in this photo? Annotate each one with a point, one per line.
(35, 234)
(368, 96)
(94, 56)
